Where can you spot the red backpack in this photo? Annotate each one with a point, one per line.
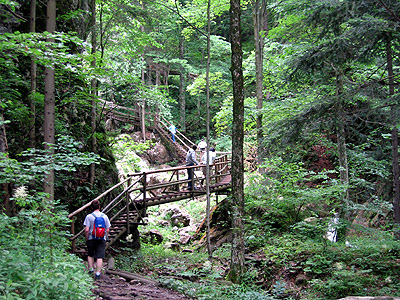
(99, 227)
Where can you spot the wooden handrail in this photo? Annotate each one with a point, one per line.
(97, 198)
(189, 141)
(177, 137)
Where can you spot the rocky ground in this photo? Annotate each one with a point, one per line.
(114, 287)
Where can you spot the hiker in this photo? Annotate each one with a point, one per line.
(191, 161)
(97, 228)
(172, 129)
(211, 157)
(202, 145)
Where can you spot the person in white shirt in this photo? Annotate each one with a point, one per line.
(96, 245)
(211, 157)
(202, 145)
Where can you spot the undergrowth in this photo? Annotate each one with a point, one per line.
(36, 266)
(292, 265)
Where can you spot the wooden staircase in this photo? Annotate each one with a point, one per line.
(126, 208)
(178, 149)
(120, 226)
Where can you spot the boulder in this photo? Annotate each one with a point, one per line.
(164, 223)
(178, 216)
(180, 219)
(187, 229)
(184, 239)
(173, 246)
(158, 154)
(155, 237)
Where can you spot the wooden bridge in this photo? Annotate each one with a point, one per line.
(126, 202)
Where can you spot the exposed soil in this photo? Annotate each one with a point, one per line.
(113, 287)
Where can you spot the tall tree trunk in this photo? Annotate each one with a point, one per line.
(158, 75)
(92, 169)
(101, 31)
(395, 139)
(341, 141)
(209, 249)
(49, 102)
(143, 106)
(5, 192)
(182, 86)
(260, 31)
(143, 119)
(32, 104)
(237, 266)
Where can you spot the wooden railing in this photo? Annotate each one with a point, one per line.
(130, 115)
(118, 203)
(180, 137)
(137, 192)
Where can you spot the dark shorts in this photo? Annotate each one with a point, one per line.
(96, 248)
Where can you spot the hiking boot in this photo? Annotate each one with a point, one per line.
(96, 277)
(90, 272)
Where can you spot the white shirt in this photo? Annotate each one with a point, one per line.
(202, 145)
(211, 157)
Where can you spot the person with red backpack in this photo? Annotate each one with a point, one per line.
(97, 228)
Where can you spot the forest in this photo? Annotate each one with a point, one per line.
(303, 94)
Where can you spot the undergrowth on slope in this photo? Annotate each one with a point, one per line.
(296, 264)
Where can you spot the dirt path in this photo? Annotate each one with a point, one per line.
(113, 287)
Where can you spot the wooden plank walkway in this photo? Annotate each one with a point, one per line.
(223, 185)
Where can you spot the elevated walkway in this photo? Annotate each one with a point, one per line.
(126, 202)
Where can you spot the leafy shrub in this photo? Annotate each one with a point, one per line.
(343, 283)
(31, 269)
(33, 245)
(288, 193)
(205, 290)
(318, 264)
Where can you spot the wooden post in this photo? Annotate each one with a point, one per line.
(177, 179)
(192, 170)
(143, 120)
(73, 234)
(127, 209)
(144, 191)
(155, 120)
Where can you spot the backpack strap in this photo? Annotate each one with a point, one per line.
(95, 215)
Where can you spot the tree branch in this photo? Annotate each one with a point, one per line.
(13, 13)
(396, 17)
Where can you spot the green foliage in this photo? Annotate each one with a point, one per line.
(361, 266)
(33, 244)
(318, 265)
(37, 162)
(125, 150)
(343, 283)
(223, 119)
(30, 269)
(286, 193)
(209, 290)
(36, 45)
(217, 85)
